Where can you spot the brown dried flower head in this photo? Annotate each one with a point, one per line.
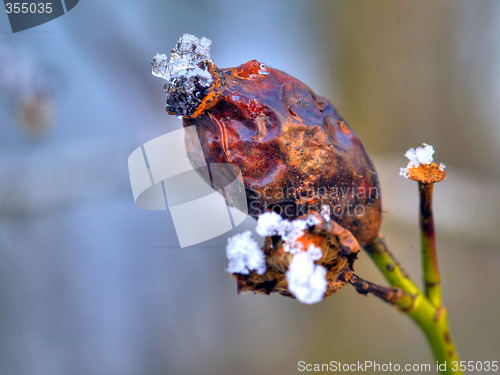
(332, 249)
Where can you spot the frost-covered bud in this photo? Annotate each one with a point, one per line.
(421, 166)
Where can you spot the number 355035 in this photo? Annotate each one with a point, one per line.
(25, 8)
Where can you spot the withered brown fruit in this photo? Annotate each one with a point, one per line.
(296, 153)
(339, 247)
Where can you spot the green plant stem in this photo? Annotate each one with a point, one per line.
(432, 279)
(432, 320)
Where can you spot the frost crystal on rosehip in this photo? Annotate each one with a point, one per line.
(306, 280)
(245, 255)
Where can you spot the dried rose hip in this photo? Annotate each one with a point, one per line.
(296, 153)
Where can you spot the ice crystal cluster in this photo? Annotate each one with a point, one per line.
(419, 156)
(306, 280)
(272, 224)
(186, 73)
(244, 255)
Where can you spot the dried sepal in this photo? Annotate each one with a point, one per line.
(427, 173)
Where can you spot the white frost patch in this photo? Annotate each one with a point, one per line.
(404, 172)
(160, 66)
(306, 280)
(198, 48)
(263, 70)
(244, 255)
(314, 252)
(420, 155)
(183, 62)
(311, 221)
(325, 212)
(296, 230)
(272, 224)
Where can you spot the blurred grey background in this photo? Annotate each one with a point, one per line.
(90, 284)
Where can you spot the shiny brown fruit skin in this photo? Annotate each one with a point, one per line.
(293, 148)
